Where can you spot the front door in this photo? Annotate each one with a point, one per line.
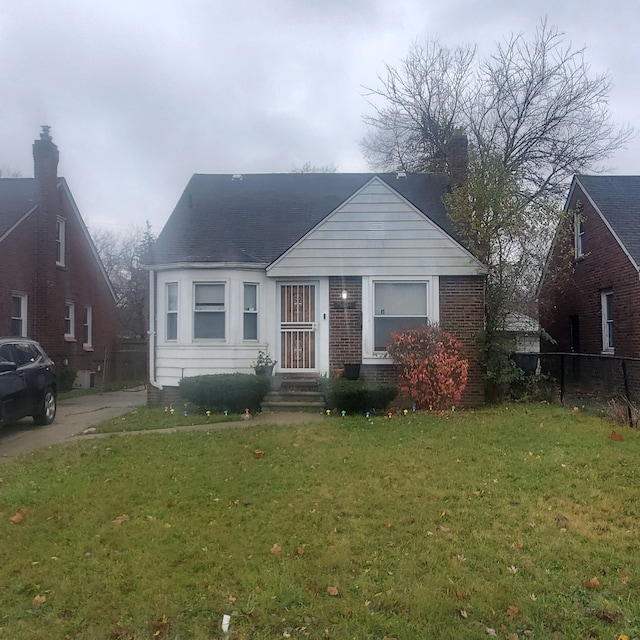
(298, 326)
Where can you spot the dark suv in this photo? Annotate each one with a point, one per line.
(27, 382)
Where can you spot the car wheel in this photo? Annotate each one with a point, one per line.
(47, 412)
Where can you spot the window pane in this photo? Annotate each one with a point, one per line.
(16, 306)
(172, 326)
(209, 295)
(250, 326)
(383, 327)
(16, 327)
(250, 297)
(208, 325)
(172, 296)
(401, 299)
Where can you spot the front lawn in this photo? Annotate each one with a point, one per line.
(514, 522)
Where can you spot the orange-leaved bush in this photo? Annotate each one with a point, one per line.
(431, 368)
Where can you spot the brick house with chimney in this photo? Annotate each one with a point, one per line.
(316, 269)
(53, 286)
(589, 296)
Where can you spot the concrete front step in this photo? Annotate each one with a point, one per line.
(306, 401)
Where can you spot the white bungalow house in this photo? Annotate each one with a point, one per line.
(315, 269)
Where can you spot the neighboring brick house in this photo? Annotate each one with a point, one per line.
(590, 292)
(53, 286)
(318, 269)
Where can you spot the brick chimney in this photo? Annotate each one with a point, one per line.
(458, 157)
(45, 171)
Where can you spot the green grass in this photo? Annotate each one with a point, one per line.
(152, 417)
(427, 527)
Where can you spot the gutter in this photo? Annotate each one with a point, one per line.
(152, 331)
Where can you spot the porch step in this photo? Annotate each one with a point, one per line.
(295, 394)
(298, 382)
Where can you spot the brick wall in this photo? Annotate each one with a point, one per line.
(345, 323)
(462, 314)
(573, 288)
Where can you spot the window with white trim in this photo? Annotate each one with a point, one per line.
(60, 241)
(171, 296)
(69, 320)
(209, 311)
(607, 321)
(397, 306)
(19, 314)
(250, 312)
(87, 327)
(578, 230)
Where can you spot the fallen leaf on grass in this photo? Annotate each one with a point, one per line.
(490, 632)
(301, 549)
(616, 436)
(625, 579)
(333, 591)
(512, 611)
(258, 454)
(120, 519)
(38, 601)
(18, 517)
(276, 549)
(594, 583)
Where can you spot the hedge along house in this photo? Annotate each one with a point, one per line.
(315, 269)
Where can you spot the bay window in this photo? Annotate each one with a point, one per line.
(250, 312)
(209, 311)
(171, 297)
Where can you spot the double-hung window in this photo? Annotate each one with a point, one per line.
(578, 231)
(60, 241)
(607, 321)
(171, 297)
(250, 312)
(19, 314)
(209, 311)
(69, 321)
(87, 328)
(397, 306)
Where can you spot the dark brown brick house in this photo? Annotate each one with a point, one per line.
(316, 269)
(590, 292)
(53, 287)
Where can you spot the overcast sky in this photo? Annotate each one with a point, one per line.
(141, 94)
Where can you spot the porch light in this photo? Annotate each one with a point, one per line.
(344, 294)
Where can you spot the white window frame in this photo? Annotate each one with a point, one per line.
(222, 310)
(69, 320)
(608, 327)
(246, 311)
(22, 318)
(87, 327)
(578, 231)
(61, 241)
(432, 284)
(170, 312)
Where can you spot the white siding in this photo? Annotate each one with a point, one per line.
(188, 357)
(375, 233)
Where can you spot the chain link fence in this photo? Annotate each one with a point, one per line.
(594, 381)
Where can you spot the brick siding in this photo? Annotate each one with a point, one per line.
(462, 314)
(573, 287)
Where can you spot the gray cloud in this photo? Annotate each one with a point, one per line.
(142, 94)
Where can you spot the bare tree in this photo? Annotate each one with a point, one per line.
(307, 167)
(533, 104)
(123, 256)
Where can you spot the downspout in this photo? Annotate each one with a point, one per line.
(152, 330)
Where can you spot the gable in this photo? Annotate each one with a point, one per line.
(17, 201)
(616, 199)
(376, 232)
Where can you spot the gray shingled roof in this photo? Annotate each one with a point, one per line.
(618, 200)
(17, 196)
(257, 218)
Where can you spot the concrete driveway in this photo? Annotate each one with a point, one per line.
(74, 415)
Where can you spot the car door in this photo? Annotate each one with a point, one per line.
(13, 397)
(31, 370)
